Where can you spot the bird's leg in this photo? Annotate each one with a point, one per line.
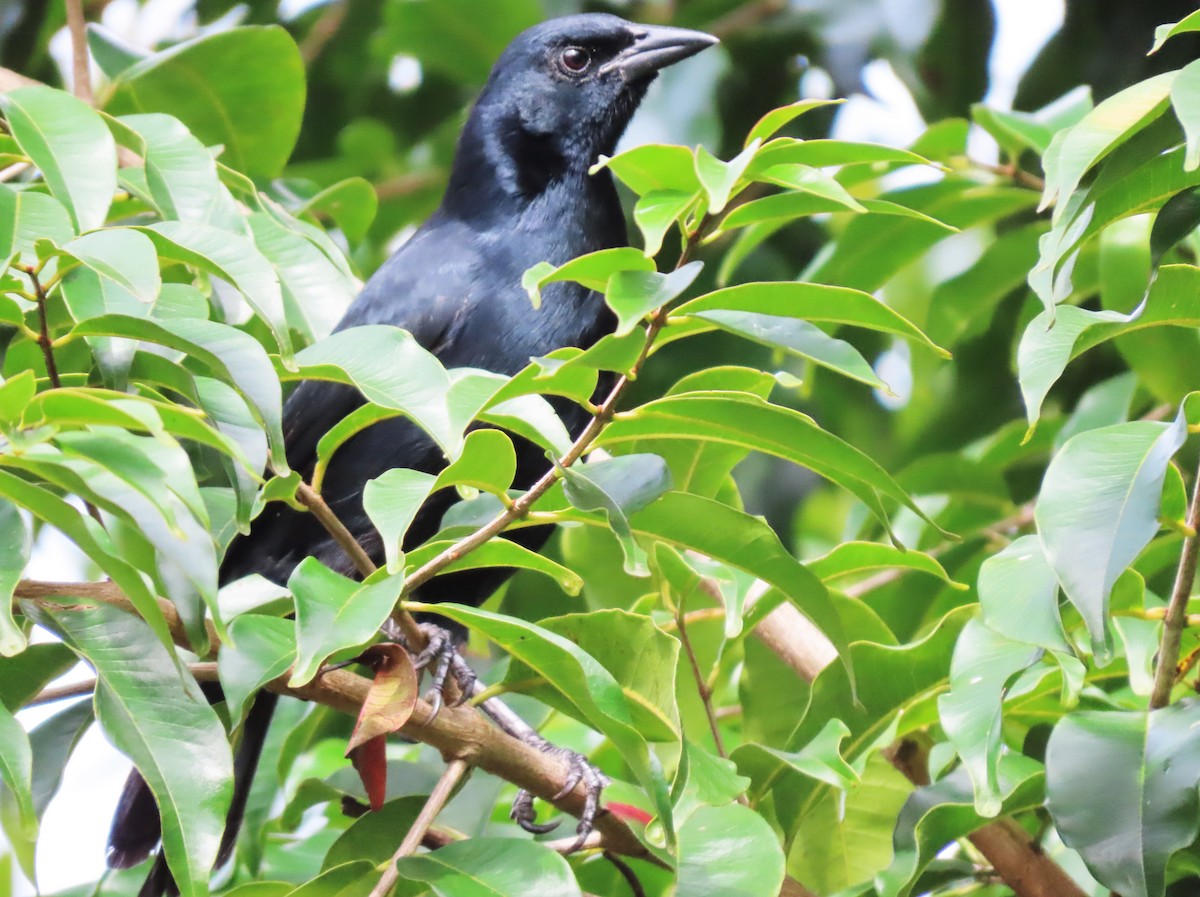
(441, 653)
(579, 768)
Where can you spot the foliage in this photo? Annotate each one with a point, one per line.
(989, 524)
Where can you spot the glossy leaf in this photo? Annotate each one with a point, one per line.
(1163, 33)
(719, 178)
(164, 724)
(729, 850)
(492, 867)
(16, 769)
(16, 542)
(124, 256)
(1018, 596)
(634, 294)
(592, 270)
(261, 648)
(766, 126)
(392, 500)
(70, 144)
(391, 697)
(1134, 802)
(1098, 509)
(242, 89)
(333, 613)
(854, 558)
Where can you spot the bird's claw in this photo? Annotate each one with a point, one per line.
(442, 655)
(579, 770)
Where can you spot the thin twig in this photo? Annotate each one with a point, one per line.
(1168, 651)
(11, 171)
(80, 71)
(454, 771)
(1018, 176)
(701, 685)
(44, 327)
(320, 509)
(202, 672)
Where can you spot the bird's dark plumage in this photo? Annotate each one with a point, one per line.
(519, 193)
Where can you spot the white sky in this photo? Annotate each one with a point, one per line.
(75, 828)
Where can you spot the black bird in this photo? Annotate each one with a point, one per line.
(519, 193)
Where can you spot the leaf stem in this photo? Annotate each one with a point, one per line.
(1168, 650)
(701, 685)
(453, 772)
(43, 326)
(81, 76)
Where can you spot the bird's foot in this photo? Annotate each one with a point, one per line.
(580, 769)
(441, 655)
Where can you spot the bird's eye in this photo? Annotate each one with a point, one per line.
(575, 59)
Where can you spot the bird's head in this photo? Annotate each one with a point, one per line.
(563, 91)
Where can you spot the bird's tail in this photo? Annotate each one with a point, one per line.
(137, 826)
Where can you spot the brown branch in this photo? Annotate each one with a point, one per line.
(11, 171)
(203, 672)
(701, 685)
(43, 326)
(458, 732)
(445, 786)
(1018, 176)
(81, 75)
(10, 80)
(1185, 576)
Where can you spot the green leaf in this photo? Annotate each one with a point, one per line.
(69, 143)
(749, 422)
(982, 670)
(93, 541)
(580, 680)
(704, 780)
(235, 357)
(111, 53)
(777, 118)
(392, 500)
(242, 89)
(654, 167)
(1075, 150)
(373, 836)
(333, 612)
(1163, 33)
(40, 216)
(182, 174)
(488, 462)
(351, 203)
(829, 153)
(634, 294)
(24, 675)
(854, 558)
(53, 742)
(729, 850)
(654, 214)
(784, 207)
(1018, 596)
(391, 369)
(16, 769)
(1178, 217)
(810, 180)
(260, 649)
(1121, 788)
(497, 553)
(820, 759)
(593, 270)
(492, 867)
(121, 255)
(162, 722)
(639, 655)
(619, 487)
(232, 258)
(1098, 509)
(15, 545)
(1185, 98)
(719, 178)
(935, 815)
(807, 301)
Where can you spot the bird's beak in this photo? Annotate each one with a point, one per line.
(655, 47)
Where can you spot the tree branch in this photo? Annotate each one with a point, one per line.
(81, 75)
(437, 799)
(1166, 669)
(43, 326)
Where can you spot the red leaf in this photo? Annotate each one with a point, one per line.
(392, 697)
(628, 812)
(370, 760)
